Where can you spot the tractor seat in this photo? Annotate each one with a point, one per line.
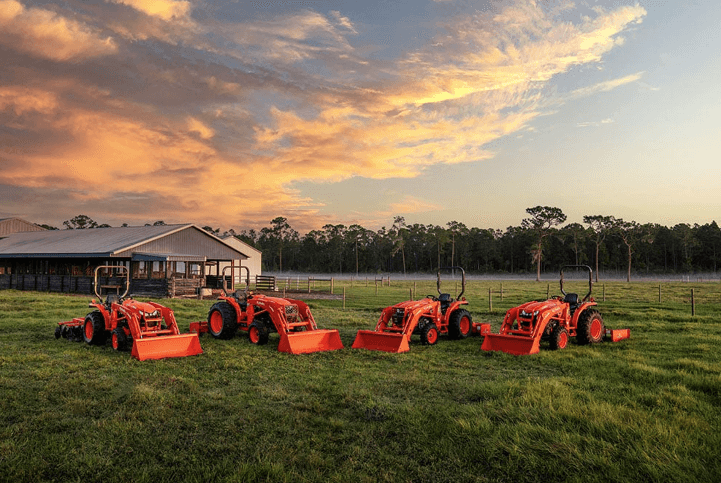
(572, 300)
(445, 300)
(112, 298)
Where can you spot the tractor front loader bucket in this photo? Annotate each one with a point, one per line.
(512, 344)
(310, 341)
(160, 347)
(381, 341)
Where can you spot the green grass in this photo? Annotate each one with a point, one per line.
(645, 409)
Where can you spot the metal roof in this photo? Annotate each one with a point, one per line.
(88, 243)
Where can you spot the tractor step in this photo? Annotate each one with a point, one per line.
(381, 341)
(511, 344)
(161, 347)
(310, 341)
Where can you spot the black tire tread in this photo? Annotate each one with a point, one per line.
(230, 324)
(556, 336)
(454, 324)
(583, 329)
(99, 332)
(263, 331)
(424, 333)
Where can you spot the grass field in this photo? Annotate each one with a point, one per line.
(645, 409)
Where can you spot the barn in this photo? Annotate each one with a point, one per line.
(164, 261)
(9, 226)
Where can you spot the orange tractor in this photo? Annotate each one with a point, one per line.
(147, 328)
(428, 317)
(553, 320)
(260, 315)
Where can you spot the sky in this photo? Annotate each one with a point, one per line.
(232, 113)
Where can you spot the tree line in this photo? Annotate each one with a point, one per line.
(541, 243)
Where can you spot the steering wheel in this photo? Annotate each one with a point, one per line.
(432, 297)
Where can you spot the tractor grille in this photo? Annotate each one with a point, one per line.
(398, 317)
(291, 313)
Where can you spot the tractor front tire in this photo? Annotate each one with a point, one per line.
(258, 332)
(559, 338)
(429, 334)
(222, 321)
(94, 328)
(590, 328)
(118, 340)
(460, 324)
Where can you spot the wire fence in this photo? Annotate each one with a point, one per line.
(699, 298)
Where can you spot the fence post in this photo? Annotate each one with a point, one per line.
(693, 303)
(410, 290)
(501, 291)
(343, 298)
(308, 284)
(659, 293)
(376, 287)
(389, 280)
(490, 300)
(548, 291)
(414, 290)
(331, 285)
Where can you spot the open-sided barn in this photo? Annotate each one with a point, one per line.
(166, 260)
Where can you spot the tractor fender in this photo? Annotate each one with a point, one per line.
(236, 306)
(577, 314)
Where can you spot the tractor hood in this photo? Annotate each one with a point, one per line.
(144, 308)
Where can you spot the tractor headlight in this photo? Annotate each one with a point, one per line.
(152, 315)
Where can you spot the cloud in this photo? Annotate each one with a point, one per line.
(214, 121)
(604, 86)
(163, 9)
(45, 34)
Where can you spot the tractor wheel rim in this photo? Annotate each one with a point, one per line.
(216, 322)
(254, 335)
(432, 336)
(465, 325)
(562, 340)
(88, 330)
(595, 329)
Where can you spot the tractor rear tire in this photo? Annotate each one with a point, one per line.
(94, 328)
(559, 338)
(590, 328)
(429, 334)
(460, 324)
(222, 321)
(118, 340)
(258, 332)
(58, 332)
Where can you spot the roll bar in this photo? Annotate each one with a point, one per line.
(232, 277)
(463, 280)
(112, 268)
(590, 278)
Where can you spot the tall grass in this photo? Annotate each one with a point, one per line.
(645, 409)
